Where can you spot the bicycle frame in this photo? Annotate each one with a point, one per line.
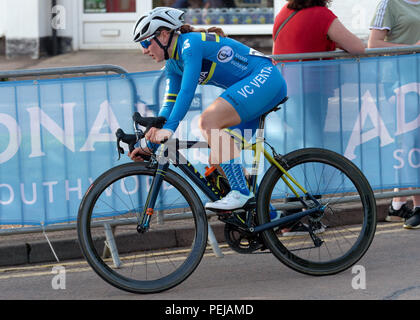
(167, 152)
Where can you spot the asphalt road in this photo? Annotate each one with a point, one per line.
(390, 269)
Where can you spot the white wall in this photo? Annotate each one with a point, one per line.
(356, 15)
(44, 9)
(71, 23)
(22, 18)
(2, 18)
(32, 18)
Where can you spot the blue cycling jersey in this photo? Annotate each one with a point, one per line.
(253, 84)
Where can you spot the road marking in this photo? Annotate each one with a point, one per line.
(381, 229)
(77, 270)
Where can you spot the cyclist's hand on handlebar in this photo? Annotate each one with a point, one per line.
(155, 135)
(138, 153)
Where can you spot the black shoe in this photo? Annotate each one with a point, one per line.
(301, 229)
(414, 221)
(398, 215)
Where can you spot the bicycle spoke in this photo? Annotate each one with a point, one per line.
(338, 230)
(148, 259)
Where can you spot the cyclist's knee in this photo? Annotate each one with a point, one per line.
(206, 123)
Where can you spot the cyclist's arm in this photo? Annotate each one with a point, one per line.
(173, 85)
(192, 58)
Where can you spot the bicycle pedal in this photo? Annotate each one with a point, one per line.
(250, 204)
(222, 213)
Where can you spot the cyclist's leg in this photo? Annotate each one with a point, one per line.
(243, 102)
(219, 115)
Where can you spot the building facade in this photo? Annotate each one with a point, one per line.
(37, 27)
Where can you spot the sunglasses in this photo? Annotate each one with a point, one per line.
(148, 41)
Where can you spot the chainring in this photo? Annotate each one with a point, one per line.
(241, 241)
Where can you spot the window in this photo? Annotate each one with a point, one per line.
(210, 12)
(106, 6)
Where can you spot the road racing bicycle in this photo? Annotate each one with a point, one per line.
(312, 188)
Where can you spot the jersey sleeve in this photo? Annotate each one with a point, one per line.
(173, 85)
(383, 19)
(191, 54)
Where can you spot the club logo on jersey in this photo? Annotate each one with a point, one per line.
(257, 82)
(225, 54)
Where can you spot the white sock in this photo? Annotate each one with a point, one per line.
(396, 205)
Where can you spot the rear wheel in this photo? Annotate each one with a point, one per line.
(158, 259)
(345, 229)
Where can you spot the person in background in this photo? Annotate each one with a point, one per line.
(180, 4)
(183, 4)
(397, 23)
(219, 4)
(304, 26)
(313, 28)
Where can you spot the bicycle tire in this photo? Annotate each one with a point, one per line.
(356, 234)
(122, 278)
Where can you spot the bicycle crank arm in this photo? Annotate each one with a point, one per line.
(285, 220)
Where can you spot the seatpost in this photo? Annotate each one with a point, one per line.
(259, 140)
(260, 131)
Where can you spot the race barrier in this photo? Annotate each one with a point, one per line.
(57, 135)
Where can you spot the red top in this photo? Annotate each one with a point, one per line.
(305, 32)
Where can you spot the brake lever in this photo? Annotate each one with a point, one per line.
(130, 139)
(119, 135)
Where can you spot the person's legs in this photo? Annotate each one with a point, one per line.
(416, 201)
(398, 210)
(243, 102)
(413, 222)
(219, 115)
(223, 151)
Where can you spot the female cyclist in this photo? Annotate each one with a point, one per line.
(253, 86)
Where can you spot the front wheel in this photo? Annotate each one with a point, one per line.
(346, 227)
(153, 261)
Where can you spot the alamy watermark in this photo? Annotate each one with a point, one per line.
(359, 280)
(58, 281)
(58, 21)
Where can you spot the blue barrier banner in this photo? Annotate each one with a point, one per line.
(57, 136)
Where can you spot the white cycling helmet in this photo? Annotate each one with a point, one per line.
(159, 17)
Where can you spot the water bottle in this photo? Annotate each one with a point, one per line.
(209, 16)
(235, 16)
(248, 15)
(223, 16)
(194, 16)
(260, 15)
(217, 180)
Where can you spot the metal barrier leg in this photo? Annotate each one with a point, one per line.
(160, 217)
(213, 242)
(111, 246)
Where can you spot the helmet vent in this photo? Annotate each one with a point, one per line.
(163, 19)
(145, 28)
